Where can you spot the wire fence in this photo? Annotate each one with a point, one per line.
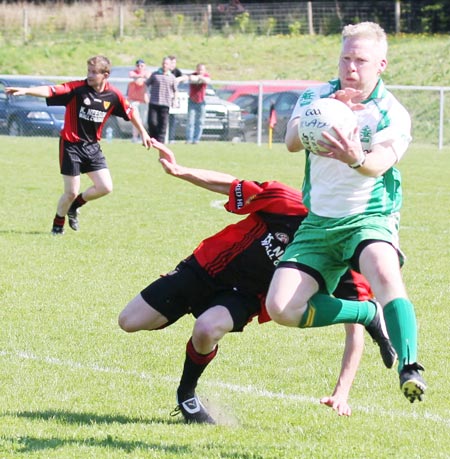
(62, 21)
(236, 111)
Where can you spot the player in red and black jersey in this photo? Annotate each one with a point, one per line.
(89, 103)
(223, 284)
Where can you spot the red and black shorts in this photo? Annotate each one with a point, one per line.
(80, 158)
(190, 290)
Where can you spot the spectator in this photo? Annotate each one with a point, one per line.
(163, 87)
(137, 93)
(172, 118)
(198, 81)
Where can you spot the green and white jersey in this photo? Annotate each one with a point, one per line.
(330, 187)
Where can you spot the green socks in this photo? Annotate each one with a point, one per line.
(326, 310)
(402, 328)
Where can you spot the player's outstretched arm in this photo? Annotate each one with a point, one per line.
(354, 346)
(210, 180)
(37, 91)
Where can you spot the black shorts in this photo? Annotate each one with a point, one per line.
(189, 290)
(81, 157)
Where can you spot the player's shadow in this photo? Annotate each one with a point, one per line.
(28, 233)
(27, 443)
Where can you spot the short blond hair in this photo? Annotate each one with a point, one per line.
(368, 30)
(101, 63)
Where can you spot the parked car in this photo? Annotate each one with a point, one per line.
(283, 103)
(28, 115)
(231, 92)
(222, 121)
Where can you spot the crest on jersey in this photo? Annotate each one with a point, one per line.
(87, 101)
(106, 104)
(282, 237)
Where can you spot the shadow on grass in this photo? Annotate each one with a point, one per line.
(67, 417)
(27, 233)
(28, 443)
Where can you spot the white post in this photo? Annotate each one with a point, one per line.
(310, 18)
(121, 21)
(25, 24)
(397, 16)
(209, 18)
(260, 115)
(441, 118)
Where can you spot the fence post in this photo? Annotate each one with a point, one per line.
(25, 24)
(310, 19)
(121, 21)
(397, 16)
(209, 18)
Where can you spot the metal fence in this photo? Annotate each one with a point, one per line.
(61, 21)
(237, 111)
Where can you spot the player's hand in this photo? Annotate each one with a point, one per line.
(146, 140)
(338, 404)
(346, 96)
(15, 91)
(165, 153)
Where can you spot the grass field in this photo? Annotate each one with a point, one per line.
(74, 385)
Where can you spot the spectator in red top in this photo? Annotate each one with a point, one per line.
(137, 93)
(198, 81)
(224, 282)
(89, 103)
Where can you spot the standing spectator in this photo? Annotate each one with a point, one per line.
(198, 81)
(172, 119)
(163, 88)
(137, 93)
(89, 103)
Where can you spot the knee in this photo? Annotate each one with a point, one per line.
(105, 189)
(71, 195)
(126, 322)
(281, 314)
(204, 332)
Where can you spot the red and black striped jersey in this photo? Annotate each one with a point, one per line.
(244, 254)
(87, 110)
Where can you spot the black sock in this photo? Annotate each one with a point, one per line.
(59, 221)
(78, 202)
(194, 365)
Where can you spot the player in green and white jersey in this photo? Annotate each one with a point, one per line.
(353, 193)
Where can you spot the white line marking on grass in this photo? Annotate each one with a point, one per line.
(250, 390)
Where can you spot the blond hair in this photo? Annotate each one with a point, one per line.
(101, 63)
(369, 31)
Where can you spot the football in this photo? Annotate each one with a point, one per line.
(322, 115)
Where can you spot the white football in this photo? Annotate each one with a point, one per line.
(322, 115)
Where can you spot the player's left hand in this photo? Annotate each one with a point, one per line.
(347, 95)
(338, 404)
(146, 140)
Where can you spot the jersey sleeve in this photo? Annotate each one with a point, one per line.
(247, 196)
(62, 94)
(123, 108)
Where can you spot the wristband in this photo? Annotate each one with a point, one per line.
(359, 163)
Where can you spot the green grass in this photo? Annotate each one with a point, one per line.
(74, 385)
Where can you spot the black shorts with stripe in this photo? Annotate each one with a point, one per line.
(80, 158)
(190, 290)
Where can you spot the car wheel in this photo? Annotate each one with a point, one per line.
(14, 128)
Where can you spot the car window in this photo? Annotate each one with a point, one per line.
(247, 102)
(286, 102)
